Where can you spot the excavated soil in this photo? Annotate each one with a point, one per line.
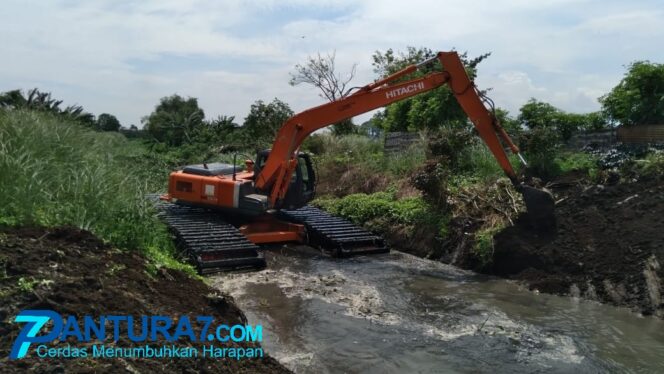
(608, 246)
(73, 273)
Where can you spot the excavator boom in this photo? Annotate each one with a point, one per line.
(276, 174)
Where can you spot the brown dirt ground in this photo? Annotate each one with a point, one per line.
(76, 274)
(608, 246)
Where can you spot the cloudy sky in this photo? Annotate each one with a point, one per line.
(120, 57)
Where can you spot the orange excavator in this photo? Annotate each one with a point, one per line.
(221, 215)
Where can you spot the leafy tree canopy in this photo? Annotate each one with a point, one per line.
(639, 97)
(221, 131)
(539, 115)
(108, 122)
(430, 110)
(264, 121)
(174, 120)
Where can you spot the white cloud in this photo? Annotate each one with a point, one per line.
(109, 56)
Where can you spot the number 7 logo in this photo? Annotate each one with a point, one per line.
(34, 320)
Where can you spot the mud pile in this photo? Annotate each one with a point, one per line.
(73, 273)
(608, 246)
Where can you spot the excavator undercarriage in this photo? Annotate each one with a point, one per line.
(213, 244)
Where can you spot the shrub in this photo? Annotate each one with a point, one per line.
(540, 145)
(361, 208)
(484, 245)
(573, 161)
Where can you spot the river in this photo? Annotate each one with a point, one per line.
(399, 313)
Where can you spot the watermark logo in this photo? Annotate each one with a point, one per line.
(45, 326)
(34, 321)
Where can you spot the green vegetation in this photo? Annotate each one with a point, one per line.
(573, 161)
(26, 284)
(108, 122)
(649, 166)
(178, 132)
(483, 247)
(174, 120)
(56, 172)
(263, 122)
(539, 115)
(44, 102)
(361, 208)
(383, 211)
(638, 98)
(652, 165)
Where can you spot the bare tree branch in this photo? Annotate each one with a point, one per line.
(320, 72)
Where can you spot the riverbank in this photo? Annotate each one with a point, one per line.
(72, 272)
(608, 246)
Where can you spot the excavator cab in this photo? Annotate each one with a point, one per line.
(302, 187)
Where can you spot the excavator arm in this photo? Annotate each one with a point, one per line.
(274, 177)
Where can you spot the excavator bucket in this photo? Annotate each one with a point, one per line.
(540, 207)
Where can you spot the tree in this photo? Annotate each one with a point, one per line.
(35, 100)
(596, 121)
(12, 99)
(539, 115)
(429, 110)
(639, 97)
(174, 120)
(43, 101)
(535, 114)
(320, 72)
(264, 121)
(108, 122)
(222, 125)
(219, 131)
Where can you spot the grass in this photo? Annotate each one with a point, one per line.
(358, 150)
(571, 161)
(58, 173)
(652, 164)
(405, 162)
(26, 285)
(484, 245)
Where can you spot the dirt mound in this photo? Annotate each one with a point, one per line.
(73, 273)
(608, 246)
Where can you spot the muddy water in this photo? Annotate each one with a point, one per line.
(398, 313)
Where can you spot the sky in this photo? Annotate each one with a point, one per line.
(121, 57)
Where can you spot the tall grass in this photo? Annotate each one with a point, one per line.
(59, 173)
(405, 162)
(368, 153)
(352, 149)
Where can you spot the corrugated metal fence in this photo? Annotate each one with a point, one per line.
(396, 142)
(643, 134)
(637, 135)
(603, 138)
